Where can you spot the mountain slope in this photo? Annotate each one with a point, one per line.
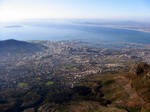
(126, 92)
(140, 77)
(129, 91)
(15, 46)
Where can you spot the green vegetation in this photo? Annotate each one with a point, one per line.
(49, 83)
(22, 85)
(30, 98)
(130, 109)
(71, 67)
(145, 110)
(38, 78)
(109, 82)
(96, 93)
(62, 109)
(135, 109)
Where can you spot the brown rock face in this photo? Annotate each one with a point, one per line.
(140, 77)
(142, 68)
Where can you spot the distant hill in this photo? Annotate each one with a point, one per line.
(15, 46)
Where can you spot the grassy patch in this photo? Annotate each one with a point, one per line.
(22, 85)
(30, 98)
(130, 109)
(145, 109)
(49, 83)
(38, 78)
(135, 109)
(70, 67)
(62, 109)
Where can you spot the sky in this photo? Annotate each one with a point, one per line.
(95, 9)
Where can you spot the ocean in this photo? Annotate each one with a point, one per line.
(60, 31)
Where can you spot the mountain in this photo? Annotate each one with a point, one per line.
(129, 91)
(126, 92)
(140, 76)
(15, 46)
(120, 92)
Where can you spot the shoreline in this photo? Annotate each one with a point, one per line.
(140, 30)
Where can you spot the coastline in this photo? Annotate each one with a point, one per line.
(140, 30)
(125, 28)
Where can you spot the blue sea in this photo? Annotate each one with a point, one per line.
(60, 31)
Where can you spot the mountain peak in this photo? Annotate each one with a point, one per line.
(11, 42)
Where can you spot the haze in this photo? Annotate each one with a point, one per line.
(11, 10)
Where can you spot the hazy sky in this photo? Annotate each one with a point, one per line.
(99, 9)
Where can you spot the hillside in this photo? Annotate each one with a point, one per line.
(109, 93)
(140, 78)
(126, 92)
(15, 46)
(129, 91)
